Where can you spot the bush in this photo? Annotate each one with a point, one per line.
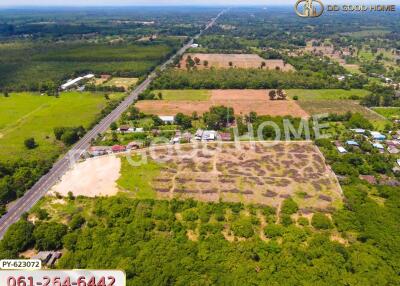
(273, 230)
(76, 222)
(243, 228)
(286, 220)
(190, 215)
(30, 143)
(295, 97)
(303, 221)
(289, 206)
(321, 221)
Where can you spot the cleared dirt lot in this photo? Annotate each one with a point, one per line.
(91, 178)
(237, 60)
(242, 101)
(257, 174)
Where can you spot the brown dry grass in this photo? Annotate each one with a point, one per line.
(238, 61)
(242, 101)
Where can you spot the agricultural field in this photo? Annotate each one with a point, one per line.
(25, 65)
(246, 61)
(327, 94)
(124, 82)
(388, 112)
(264, 174)
(261, 175)
(25, 115)
(321, 106)
(242, 101)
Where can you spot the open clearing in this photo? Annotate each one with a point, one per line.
(242, 101)
(125, 82)
(260, 175)
(25, 115)
(187, 94)
(91, 178)
(237, 60)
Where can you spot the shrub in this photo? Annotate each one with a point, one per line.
(321, 221)
(295, 97)
(303, 221)
(286, 220)
(30, 143)
(273, 230)
(243, 228)
(190, 215)
(289, 206)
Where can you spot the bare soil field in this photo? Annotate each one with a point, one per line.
(257, 174)
(238, 61)
(242, 101)
(91, 178)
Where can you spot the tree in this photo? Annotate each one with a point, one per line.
(243, 228)
(183, 120)
(219, 117)
(18, 237)
(5, 93)
(263, 64)
(160, 96)
(205, 63)
(197, 60)
(231, 64)
(113, 126)
(272, 94)
(48, 235)
(30, 143)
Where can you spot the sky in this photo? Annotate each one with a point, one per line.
(174, 2)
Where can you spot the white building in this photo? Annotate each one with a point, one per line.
(167, 119)
(75, 81)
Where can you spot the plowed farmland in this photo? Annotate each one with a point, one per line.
(246, 61)
(242, 101)
(259, 174)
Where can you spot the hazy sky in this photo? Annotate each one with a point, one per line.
(174, 2)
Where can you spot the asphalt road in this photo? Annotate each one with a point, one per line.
(33, 195)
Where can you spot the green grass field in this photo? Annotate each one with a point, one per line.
(25, 115)
(138, 179)
(321, 106)
(326, 94)
(190, 95)
(388, 112)
(124, 82)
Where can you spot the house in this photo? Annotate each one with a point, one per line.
(225, 136)
(99, 150)
(48, 258)
(377, 136)
(206, 135)
(358, 130)
(134, 145)
(378, 146)
(125, 129)
(167, 119)
(194, 45)
(352, 143)
(342, 150)
(118, 148)
(393, 150)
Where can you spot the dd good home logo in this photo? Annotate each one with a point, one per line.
(309, 8)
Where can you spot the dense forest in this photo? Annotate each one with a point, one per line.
(150, 240)
(248, 79)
